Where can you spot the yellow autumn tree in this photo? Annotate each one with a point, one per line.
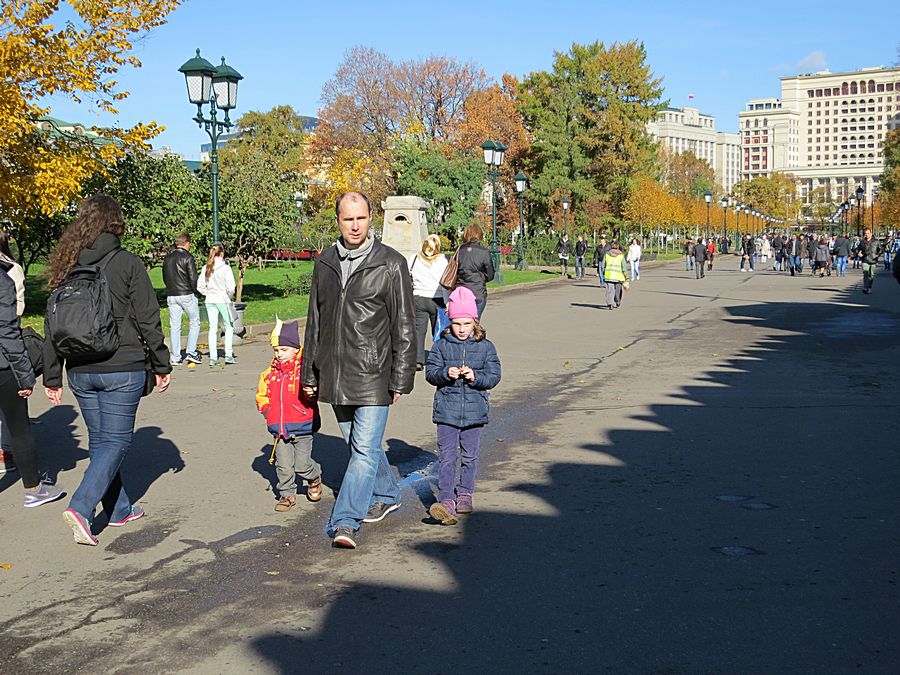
(75, 49)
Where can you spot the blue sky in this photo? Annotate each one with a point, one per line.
(286, 51)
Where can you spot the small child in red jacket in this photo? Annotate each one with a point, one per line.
(290, 417)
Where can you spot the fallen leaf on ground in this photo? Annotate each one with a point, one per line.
(5, 567)
(565, 364)
(273, 574)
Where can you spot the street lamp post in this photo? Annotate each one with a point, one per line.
(707, 197)
(494, 152)
(738, 208)
(850, 214)
(724, 204)
(521, 183)
(217, 86)
(874, 197)
(860, 193)
(845, 219)
(565, 204)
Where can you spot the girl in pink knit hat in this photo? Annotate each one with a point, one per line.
(464, 366)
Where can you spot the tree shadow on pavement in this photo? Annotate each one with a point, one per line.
(738, 525)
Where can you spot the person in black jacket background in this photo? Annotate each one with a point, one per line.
(476, 268)
(180, 278)
(580, 250)
(107, 388)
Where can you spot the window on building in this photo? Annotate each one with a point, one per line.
(880, 88)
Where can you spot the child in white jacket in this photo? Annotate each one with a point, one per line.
(218, 286)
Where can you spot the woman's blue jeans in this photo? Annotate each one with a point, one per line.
(108, 403)
(369, 477)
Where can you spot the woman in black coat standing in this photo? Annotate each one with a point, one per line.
(476, 268)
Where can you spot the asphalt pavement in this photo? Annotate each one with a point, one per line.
(702, 481)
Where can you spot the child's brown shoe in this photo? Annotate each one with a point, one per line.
(314, 490)
(286, 503)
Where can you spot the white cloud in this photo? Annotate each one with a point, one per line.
(814, 61)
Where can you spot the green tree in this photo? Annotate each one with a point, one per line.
(588, 119)
(452, 181)
(261, 177)
(160, 197)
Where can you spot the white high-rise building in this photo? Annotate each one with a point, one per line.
(827, 129)
(688, 130)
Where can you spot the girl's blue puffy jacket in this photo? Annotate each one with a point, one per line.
(457, 402)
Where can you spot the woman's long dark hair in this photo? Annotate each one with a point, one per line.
(96, 215)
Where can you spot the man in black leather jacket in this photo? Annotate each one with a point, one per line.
(359, 355)
(180, 277)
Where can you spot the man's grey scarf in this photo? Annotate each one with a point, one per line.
(351, 260)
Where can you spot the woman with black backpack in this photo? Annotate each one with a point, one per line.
(109, 384)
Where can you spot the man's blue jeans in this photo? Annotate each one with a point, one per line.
(601, 268)
(108, 403)
(841, 264)
(190, 306)
(369, 477)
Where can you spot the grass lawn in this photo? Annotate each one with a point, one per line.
(262, 293)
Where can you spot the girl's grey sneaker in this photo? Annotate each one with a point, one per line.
(42, 494)
(81, 528)
(213, 363)
(230, 361)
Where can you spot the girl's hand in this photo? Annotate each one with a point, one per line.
(467, 373)
(453, 372)
(25, 393)
(54, 394)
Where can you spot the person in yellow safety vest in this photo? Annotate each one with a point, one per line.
(614, 275)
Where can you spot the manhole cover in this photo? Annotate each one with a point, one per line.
(733, 498)
(758, 506)
(737, 551)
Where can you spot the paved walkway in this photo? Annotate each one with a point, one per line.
(704, 480)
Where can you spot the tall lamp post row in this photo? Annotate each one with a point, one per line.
(217, 86)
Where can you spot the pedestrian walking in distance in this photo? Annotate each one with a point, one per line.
(360, 356)
(217, 284)
(614, 275)
(634, 259)
(869, 252)
(580, 250)
(700, 259)
(564, 250)
(600, 259)
(180, 278)
(463, 366)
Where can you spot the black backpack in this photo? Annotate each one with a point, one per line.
(79, 319)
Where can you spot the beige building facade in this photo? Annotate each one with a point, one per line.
(827, 129)
(688, 130)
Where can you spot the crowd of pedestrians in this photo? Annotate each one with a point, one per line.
(370, 310)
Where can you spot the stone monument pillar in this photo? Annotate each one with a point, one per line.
(405, 224)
